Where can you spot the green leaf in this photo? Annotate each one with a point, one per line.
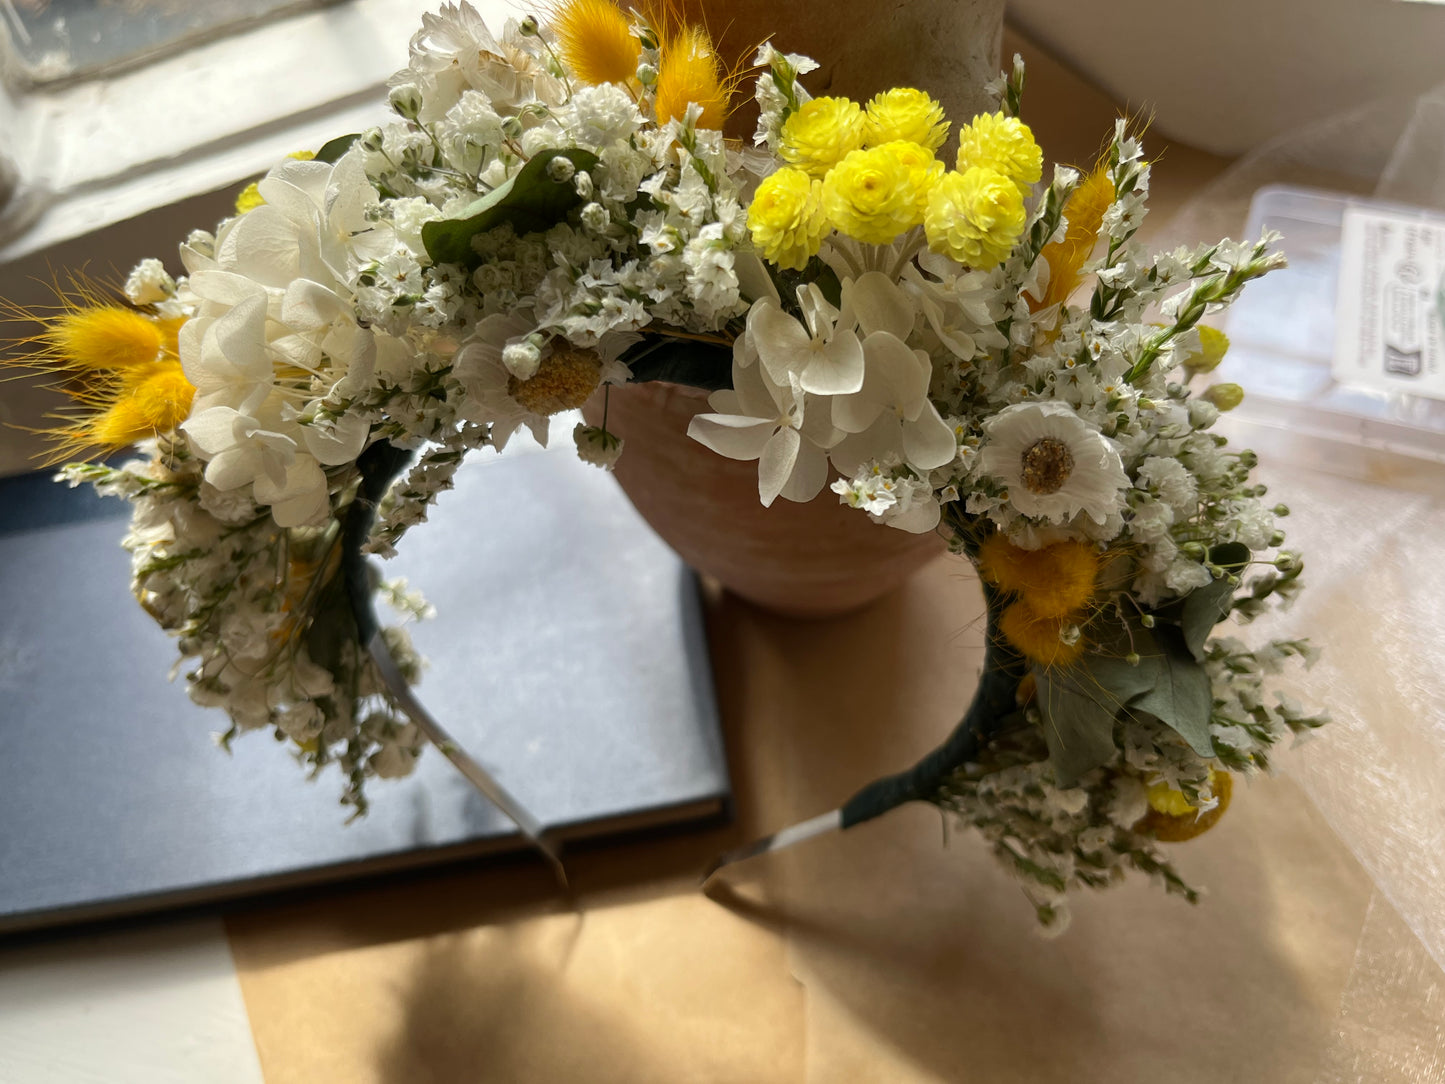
(1182, 698)
(530, 202)
(680, 361)
(1204, 607)
(332, 150)
(1078, 724)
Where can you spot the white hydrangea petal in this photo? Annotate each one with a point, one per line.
(732, 435)
(836, 370)
(263, 245)
(783, 344)
(878, 304)
(928, 441)
(775, 464)
(338, 443)
(810, 474)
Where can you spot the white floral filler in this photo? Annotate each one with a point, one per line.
(947, 343)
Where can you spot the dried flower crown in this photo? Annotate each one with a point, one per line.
(555, 210)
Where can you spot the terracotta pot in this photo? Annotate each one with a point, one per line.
(817, 559)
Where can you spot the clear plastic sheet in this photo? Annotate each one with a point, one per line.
(1375, 602)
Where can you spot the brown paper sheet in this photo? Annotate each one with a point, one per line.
(888, 953)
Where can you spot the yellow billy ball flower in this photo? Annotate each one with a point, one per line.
(975, 217)
(821, 133)
(908, 114)
(596, 40)
(1213, 344)
(1171, 819)
(870, 195)
(787, 219)
(1038, 638)
(924, 170)
(1055, 580)
(1004, 144)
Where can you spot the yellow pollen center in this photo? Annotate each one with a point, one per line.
(1047, 465)
(564, 381)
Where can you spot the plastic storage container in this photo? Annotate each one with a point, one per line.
(1342, 356)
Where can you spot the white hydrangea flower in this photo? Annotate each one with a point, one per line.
(773, 423)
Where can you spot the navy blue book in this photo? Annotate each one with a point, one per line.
(567, 655)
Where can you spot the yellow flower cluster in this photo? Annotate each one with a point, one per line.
(976, 215)
(787, 219)
(905, 114)
(1053, 587)
(880, 178)
(864, 173)
(1004, 144)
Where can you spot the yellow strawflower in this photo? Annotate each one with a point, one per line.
(1004, 144)
(821, 133)
(907, 114)
(787, 218)
(691, 72)
(869, 195)
(596, 40)
(1085, 214)
(974, 217)
(924, 170)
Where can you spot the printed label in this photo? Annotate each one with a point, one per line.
(1392, 292)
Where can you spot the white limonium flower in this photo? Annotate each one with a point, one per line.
(1054, 464)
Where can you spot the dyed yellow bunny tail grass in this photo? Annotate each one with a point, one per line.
(596, 40)
(117, 365)
(1085, 213)
(691, 72)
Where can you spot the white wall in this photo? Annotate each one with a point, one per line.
(1226, 75)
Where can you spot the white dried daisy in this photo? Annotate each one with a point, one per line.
(1054, 463)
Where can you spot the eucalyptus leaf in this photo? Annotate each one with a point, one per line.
(1204, 607)
(1121, 679)
(1078, 724)
(1232, 556)
(530, 202)
(332, 150)
(1182, 698)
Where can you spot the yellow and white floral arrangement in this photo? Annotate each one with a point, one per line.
(882, 302)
